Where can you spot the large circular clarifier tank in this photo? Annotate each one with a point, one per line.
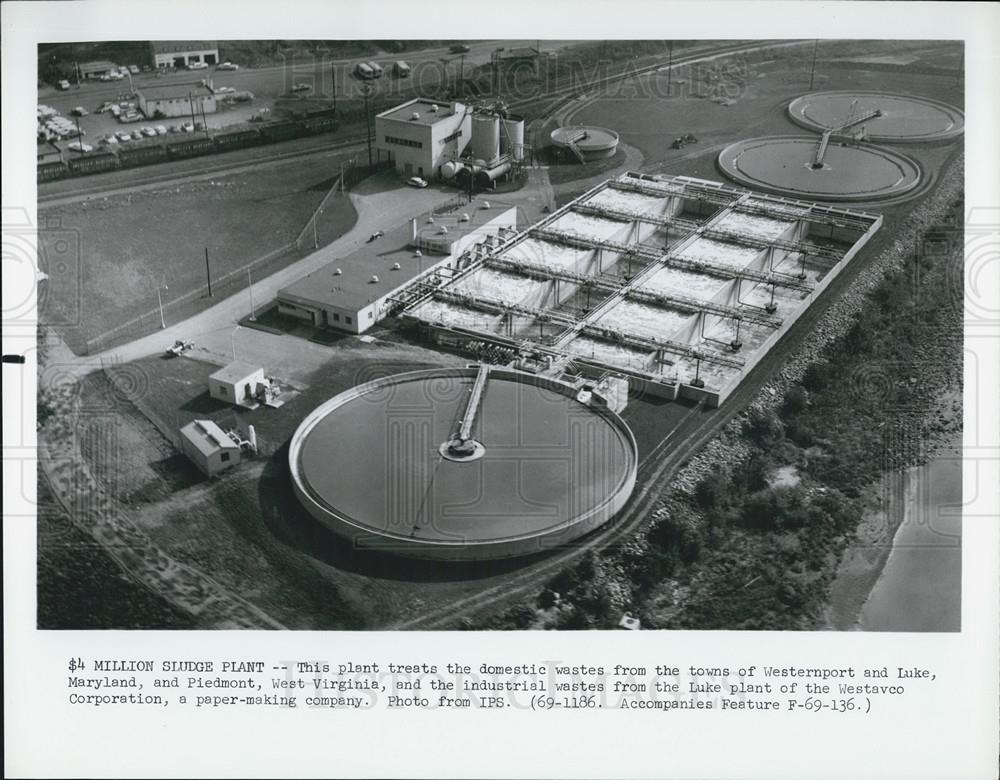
(593, 143)
(541, 469)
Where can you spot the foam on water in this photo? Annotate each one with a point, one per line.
(632, 202)
(549, 255)
(753, 225)
(497, 285)
(587, 226)
(706, 250)
(458, 316)
(643, 320)
(606, 352)
(676, 281)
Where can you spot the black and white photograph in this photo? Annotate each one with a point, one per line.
(507, 334)
(669, 323)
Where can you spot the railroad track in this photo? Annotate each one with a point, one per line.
(565, 92)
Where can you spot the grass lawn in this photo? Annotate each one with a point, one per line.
(106, 257)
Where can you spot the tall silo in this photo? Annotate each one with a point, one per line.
(512, 136)
(485, 137)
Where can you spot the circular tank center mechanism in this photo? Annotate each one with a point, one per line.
(791, 165)
(462, 464)
(840, 163)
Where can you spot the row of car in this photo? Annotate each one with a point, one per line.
(124, 136)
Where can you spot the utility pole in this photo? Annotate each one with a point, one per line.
(191, 107)
(812, 73)
(670, 64)
(460, 86)
(79, 135)
(366, 91)
(253, 314)
(159, 300)
(208, 273)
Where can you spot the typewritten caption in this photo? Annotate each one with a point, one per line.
(364, 684)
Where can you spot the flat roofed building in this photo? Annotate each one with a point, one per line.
(209, 447)
(355, 292)
(178, 100)
(89, 70)
(180, 54)
(421, 135)
(236, 383)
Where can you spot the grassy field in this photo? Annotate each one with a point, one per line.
(109, 255)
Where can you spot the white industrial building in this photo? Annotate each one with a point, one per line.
(180, 54)
(354, 292)
(237, 383)
(450, 140)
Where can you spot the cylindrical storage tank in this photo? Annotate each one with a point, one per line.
(485, 136)
(487, 175)
(449, 169)
(512, 137)
(502, 494)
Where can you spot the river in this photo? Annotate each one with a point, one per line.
(920, 587)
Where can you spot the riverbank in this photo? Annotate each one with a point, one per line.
(899, 514)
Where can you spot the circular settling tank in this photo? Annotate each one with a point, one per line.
(593, 143)
(449, 464)
(901, 118)
(787, 165)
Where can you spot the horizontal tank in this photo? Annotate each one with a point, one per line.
(485, 176)
(467, 464)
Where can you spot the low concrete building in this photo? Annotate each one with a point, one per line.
(355, 292)
(237, 383)
(177, 100)
(209, 447)
(419, 136)
(96, 69)
(180, 54)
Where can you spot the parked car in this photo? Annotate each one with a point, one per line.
(174, 128)
(227, 66)
(160, 130)
(122, 136)
(63, 84)
(79, 146)
(224, 90)
(197, 65)
(104, 107)
(416, 181)
(79, 111)
(133, 69)
(459, 48)
(109, 141)
(375, 236)
(187, 127)
(302, 87)
(136, 136)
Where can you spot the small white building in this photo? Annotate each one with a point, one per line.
(209, 447)
(237, 383)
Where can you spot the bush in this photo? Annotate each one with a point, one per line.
(796, 400)
(817, 377)
(711, 490)
(763, 428)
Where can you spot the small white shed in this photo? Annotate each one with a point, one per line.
(236, 383)
(209, 447)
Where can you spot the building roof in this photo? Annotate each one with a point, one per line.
(97, 65)
(235, 372)
(208, 437)
(169, 47)
(430, 235)
(404, 112)
(353, 288)
(176, 91)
